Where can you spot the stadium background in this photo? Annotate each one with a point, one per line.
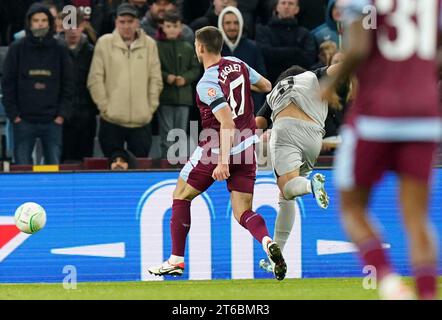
(125, 218)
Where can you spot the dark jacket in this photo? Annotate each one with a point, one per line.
(12, 13)
(193, 9)
(3, 24)
(37, 82)
(177, 57)
(248, 52)
(83, 105)
(252, 12)
(328, 30)
(284, 43)
(312, 13)
(209, 19)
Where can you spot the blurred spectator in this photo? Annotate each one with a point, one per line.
(113, 4)
(312, 13)
(125, 83)
(330, 30)
(193, 9)
(58, 27)
(283, 42)
(38, 88)
(327, 50)
(231, 24)
(154, 17)
(58, 23)
(122, 160)
(211, 16)
(96, 15)
(179, 67)
(254, 11)
(79, 130)
(141, 6)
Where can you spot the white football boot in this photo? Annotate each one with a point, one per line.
(318, 190)
(391, 287)
(167, 269)
(266, 265)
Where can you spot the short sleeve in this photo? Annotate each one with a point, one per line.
(254, 76)
(211, 94)
(352, 10)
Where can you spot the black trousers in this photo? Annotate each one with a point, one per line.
(78, 138)
(112, 137)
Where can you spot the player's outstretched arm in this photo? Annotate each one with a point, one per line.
(334, 70)
(263, 85)
(359, 48)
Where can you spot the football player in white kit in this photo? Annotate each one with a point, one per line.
(298, 114)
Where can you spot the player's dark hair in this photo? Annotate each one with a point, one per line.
(211, 38)
(290, 72)
(172, 16)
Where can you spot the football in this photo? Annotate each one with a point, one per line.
(30, 217)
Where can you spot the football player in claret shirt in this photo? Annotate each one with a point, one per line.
(393, 124)
(225, 103)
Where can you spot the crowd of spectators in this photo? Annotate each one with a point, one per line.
(131, 65)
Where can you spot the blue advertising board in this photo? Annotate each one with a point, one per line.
(112, 226)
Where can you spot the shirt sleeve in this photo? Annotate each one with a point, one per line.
(265, 112)
(211, 94)
(254, 76)
(321, 72)
(352, 10)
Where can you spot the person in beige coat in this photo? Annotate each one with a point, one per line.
(125, 82)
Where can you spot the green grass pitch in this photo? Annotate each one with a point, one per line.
(266, 289)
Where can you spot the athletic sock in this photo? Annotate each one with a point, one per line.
(426, 281)
(179, 226)
(373, 254)
(176, 259)
(255, 224)
(298, 186)
(284, 221)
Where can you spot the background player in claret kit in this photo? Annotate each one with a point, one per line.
(298, 114)
(394, 123)
(224, 99)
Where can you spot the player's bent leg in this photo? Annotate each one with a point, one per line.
(255, 224)
(184, 191)
(285, 219)
(284, 222)
(179, 228)
(293, 185)
(414, 195)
